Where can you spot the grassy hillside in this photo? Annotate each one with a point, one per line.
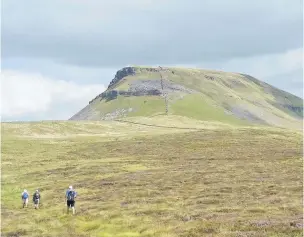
(196, 106)
(200, 94)
(172, 177)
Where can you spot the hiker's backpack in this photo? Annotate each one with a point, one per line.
(25, 195)
(71, 195)
(37, 195)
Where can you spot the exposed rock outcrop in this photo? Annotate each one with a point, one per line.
(144, 88)
(126, 71)
(113, 94)
(155, 84)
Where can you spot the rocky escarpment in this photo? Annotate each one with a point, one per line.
(152, 87)
(126, 71)
(296, 110)
(113, 94)
(130, 71)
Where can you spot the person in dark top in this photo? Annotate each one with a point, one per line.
(36, 199)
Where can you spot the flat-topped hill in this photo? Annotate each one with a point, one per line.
(207, 95)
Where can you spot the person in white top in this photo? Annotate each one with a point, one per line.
(24, 197)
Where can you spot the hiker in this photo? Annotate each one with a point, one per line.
(24, 197)
(70, 196)
(36, 199)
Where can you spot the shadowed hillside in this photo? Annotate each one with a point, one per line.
(195, 93)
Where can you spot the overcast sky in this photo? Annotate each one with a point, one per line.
(59, 54)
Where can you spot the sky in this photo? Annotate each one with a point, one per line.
(57, 55)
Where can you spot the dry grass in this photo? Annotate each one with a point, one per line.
(171, 183)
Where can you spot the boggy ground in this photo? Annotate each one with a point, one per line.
(221, 182)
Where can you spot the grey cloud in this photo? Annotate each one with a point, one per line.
(80, 75)
(100, 33)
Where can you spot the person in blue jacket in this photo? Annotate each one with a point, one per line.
(24, 197)
(70, 196)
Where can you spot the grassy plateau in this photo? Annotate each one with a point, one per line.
(160, 177)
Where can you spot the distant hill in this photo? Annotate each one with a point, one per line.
(208, 95)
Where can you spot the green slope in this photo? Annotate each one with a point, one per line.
(197, 107)
(143, 106)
